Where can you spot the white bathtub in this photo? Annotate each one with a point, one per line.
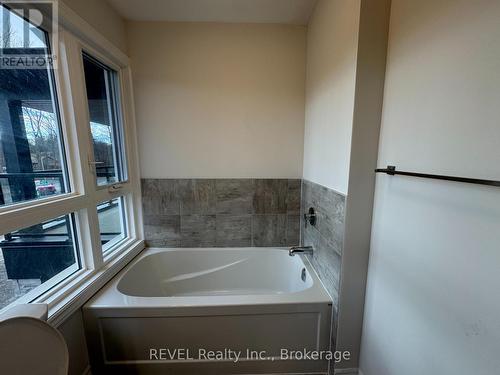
(258, 302)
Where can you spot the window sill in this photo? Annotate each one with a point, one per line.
(84, 284)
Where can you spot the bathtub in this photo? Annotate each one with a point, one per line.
(211, 311)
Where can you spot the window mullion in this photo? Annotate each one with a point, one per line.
(127, 105)
(87, 222)
(88, 228)
(77, 97)
(38, 212)
(74, 152)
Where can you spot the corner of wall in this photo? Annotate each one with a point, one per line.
(370, 76)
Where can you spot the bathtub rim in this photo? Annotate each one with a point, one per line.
(110, 297)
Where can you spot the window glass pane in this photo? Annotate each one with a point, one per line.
(105, 121)
(17, 33)
(32, 164)
(111, 222)
(31, 259)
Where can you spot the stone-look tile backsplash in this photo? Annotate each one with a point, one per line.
(221, 212)
(326, 236)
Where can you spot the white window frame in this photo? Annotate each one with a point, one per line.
(65, 293)
(88, 50)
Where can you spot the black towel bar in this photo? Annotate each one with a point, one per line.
(391, 170)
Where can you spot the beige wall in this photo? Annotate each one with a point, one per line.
(370, 74)
(332, 41)
(100, 15)
(432, 303)
(346, 51)
(218, 100)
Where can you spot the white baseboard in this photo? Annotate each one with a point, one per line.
(347, 371)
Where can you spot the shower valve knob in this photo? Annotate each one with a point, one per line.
(310, 217)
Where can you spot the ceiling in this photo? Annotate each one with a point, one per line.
(296, 12)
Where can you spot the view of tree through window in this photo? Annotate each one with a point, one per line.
(13, 33)
(31, 163)
(100, 82)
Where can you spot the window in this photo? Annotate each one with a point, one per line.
(33, 256)
(63, 225)
(112, 227)
(103, 102)
(32, 164)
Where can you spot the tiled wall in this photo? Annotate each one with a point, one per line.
(221, 212)
(248, 212)
(326, 236)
